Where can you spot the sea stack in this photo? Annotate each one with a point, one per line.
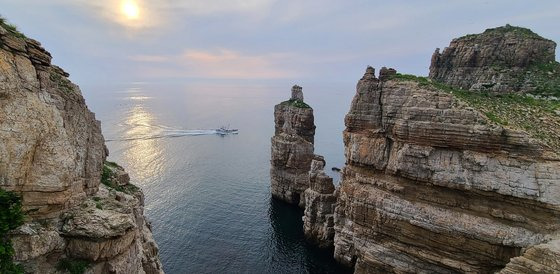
(292, 149)
(320, 200)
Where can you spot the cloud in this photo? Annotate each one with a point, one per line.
(217, 63)
(216, 7)
(150, 58)
(162, 13)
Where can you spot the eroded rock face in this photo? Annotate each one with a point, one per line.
(504, 59)
(52, 152)
(543, 258)
(320, 199)
(431, 185)
(51, 145)
(292, 151)
(297, 93)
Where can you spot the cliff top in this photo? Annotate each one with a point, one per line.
(297, 98)
(506, 30)
(505, 59)
(538, 116)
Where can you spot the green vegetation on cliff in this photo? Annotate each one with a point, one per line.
(546, 77)
(10, 28)
(73, 266)
(11, 217)
(539, 117)
(108, 178)
(296, 103)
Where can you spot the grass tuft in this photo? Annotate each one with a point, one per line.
(11, 28)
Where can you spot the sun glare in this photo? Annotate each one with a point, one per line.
(130, 9)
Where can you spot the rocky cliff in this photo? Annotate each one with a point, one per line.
(292, 149)
(433, 185)
(503, 59)
(52, 153)
(447, 177)
(320, 200)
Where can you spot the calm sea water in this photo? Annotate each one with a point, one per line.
(208, 196)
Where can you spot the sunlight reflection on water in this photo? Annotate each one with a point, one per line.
(208, 196)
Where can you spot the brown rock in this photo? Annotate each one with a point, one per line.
(52, 153)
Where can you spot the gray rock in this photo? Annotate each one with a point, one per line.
(320, 200)
(297, 93)
(499, 60)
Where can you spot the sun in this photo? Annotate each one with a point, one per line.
(130, 9)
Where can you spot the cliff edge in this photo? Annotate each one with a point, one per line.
(53, 154)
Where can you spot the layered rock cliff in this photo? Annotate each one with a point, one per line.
(297, 175)
(292, 149)
(52, 153)
(504, 59)
(320, 200)
(446, 177)
(433, 185)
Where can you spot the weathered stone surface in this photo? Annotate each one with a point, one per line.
(33, 240)
(320, 200)
(51, 145)
(297, 93)
(292, 152)
(433, 186)
(386, 73)
(543, 258)
(118, 174)
(52, 153)
(499, 60)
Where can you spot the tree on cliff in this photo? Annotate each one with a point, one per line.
(11, 217)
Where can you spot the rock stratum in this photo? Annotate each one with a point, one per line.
(434, 183)
(53, 154)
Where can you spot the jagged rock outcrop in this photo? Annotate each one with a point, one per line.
(503, 59)
(432, 185)
(52, 152)
(320, 199)
(292, 149)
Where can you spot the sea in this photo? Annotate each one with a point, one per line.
(208, 196)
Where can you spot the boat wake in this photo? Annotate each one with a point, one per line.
(163, 132)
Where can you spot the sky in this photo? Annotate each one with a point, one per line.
(122, 41)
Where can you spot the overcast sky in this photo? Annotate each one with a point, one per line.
(174, 40)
